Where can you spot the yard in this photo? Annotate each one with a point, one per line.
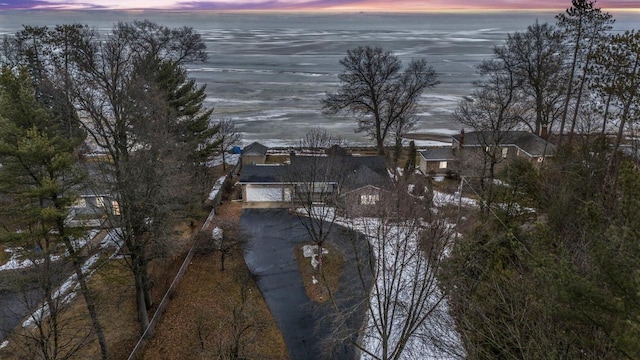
(202, 319)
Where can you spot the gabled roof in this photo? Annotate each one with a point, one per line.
(263, 174)
(528, 142)
(364, 176)
(338, 163)
(255, 148)
(438, 154)
(352, 171)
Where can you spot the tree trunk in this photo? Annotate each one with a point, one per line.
(84, 289)
(579, 96)
(141, 303)
(146, 283)
(93, 314)
(567, 99)
(224, 162)
(143, 317)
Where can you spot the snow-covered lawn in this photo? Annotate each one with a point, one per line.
(230, 159)
(397, 270)
(68, 290)
(18, 261)
(441, 199)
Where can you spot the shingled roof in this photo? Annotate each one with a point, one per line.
(254, 148)
(263, 174)
(526, 141)
(438, 154)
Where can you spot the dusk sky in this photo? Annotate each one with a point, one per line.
(326, 5)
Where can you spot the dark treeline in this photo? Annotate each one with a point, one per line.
(549, 267)
(128, 93)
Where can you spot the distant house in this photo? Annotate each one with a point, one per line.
(91, 210)
(255, 153)
(511, 144)
(465, 156)
(438, 161)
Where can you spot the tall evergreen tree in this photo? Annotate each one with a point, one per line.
(128, 113)
(39, 175)
(584, 26)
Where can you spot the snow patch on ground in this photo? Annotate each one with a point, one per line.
(17, 260)
(311, 251)
(4, 344)
(439, 327)
(441, 199)
(230, 159)
(68, 290)
(217, 187)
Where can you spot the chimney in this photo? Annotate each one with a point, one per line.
(544, 132)
(461, 137)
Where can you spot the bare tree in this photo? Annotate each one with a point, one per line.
(536, 57)
(378, 93)
(492, 114)
(227, 136)
(406, 313)
(128, 115)
(51, 330)
(313, 182)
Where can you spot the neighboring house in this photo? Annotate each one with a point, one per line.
(438, 161)
(465, 156)
(91, 210)
(253, 154)
(317, 179)
(511, 144)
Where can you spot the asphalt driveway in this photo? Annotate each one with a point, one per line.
(269, 253)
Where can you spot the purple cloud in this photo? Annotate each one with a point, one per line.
(301, 4)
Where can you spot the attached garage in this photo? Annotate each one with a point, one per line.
(261, 193)
(264, 184)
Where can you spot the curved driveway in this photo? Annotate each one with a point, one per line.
(272, 236)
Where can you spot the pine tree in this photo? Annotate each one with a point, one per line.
(39, 176)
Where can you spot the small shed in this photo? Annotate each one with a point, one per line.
(253, 154)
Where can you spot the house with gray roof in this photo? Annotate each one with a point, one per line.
(317, 178)
(465, 156)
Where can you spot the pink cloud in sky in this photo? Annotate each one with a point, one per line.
(329, 5)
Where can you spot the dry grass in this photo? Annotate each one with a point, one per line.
(198, 319)
(328, 277)
(199, 322)
(4, 256)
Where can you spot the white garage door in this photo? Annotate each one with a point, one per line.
(264, 194)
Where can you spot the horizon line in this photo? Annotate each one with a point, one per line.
(322, 10)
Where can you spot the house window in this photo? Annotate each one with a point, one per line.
(80, 203)
(442, 165)
(540, 159)
(369, 199)
(116, 208)
(505, 151)
(99, 201)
